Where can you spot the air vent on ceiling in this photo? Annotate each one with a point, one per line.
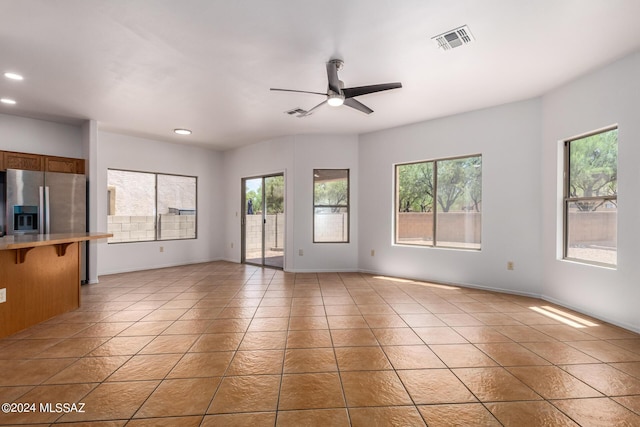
(454, 38)
(298, 112)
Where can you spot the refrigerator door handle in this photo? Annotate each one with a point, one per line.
(41, 210)
(47, 225)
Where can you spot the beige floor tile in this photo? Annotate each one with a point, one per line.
(462, 355)
(256, 362)
(511, 354)
(44, 394)
(72, 347)
(440, 335)
(250, 419)
(412, 357)
(169, 344)
(353, 337)
(464, 414)
(189, 421)
(495, 384)
(481, 334)
(264, 340)
(407, 416)
(113, 401)
(217, 342)
(32, 372)
(146, 367)
(308, 360)
(187, 327)
(89, 370)
(122, 346)
(605, 379)
(523, 334)
(219, 326)
(518, 414)
(313, 417)
(311, 391)
(266, 324)
(552, 382)
(362, 359)
(432, 386)
(178, 397)
(605, 352)
(306, 323)
(598, 412)
(254, 393)
(397, 336)
(631, 368)
(346, 322)
(194, 365)
(559, 353)
(374, 388)
(309, 339)
(630, 402)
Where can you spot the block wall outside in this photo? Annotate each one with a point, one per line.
(586, 227)
(142, 228)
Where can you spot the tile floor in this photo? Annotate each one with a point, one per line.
(223, 344)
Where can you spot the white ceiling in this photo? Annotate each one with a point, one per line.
(145, 67)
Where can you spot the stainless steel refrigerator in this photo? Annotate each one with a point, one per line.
(46, 203)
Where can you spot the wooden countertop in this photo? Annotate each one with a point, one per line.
(20, 241)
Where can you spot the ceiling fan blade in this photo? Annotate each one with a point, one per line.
(317, 106)
(332, 75)
(299, 91)
(353, 103)
(350, 92)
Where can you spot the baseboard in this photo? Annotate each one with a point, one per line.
(157, 267)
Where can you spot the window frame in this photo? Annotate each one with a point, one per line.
(111, 194)
(567, 199)
(434, 243)
(346, 206)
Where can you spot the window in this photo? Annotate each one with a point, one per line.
(146, 206)
(439, 203)
(591, 198)
(331, 205)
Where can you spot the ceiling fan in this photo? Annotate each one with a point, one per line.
(337, 94)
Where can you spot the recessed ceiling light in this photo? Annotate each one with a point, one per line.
(182, 131)
(13, 76)
(8, 101)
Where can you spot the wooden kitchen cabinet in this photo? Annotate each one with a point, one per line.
(63, 165)
(37, 162)
(24, 161)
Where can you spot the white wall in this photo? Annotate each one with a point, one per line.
(27, 135)
(604, 97)
(296, 156)
(138, 154)
(322, 152)
(508, 138)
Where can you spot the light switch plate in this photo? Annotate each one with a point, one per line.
(3, 295)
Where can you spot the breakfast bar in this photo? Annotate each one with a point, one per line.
(39, 277)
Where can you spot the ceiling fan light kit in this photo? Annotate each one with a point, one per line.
(337, 94)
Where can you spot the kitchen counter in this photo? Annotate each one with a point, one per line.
(40, 276)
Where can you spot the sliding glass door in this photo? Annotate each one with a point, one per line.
(263, 219)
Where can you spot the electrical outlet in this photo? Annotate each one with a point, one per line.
(509, 265)
(231, 245)
(3, 295)
(300, 252)
(373, 252)
(161, 248)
